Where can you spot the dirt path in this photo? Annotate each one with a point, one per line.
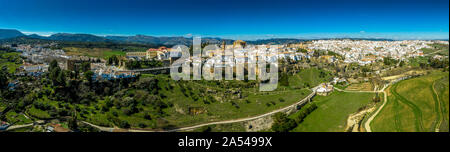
(367, 124)
(354, 120)
(438, 124)
(19, 126)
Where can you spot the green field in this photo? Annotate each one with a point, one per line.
(225, 110)
(93, 52)
(332, 112)
(437, 48)
(10, 60)
(309, 77)
(442, 89)
(413, 106)
(418, 60)
(37, 113)
(17, 119)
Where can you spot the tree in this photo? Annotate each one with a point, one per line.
(73, 122)
(113, 60)
(147, 116)
(133, 65)
(377, 98)
(305, 111)
(402, 63)
(124, 124)
(88, 75)
(282, 123)
(284, 80)
(61, 79)
(85, 66)
(55, 75)
(3, 77)
(322, 74)
(53, 65)
(206, 129)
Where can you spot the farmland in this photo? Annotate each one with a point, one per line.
(93, 52)
(413, 105)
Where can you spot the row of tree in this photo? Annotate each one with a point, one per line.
(282, 123)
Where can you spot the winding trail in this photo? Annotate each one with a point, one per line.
(370, 119)
(367, 124)
(19, 126)
(25, 125)
(438, 124)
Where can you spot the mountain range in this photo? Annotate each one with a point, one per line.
(13, 35)
(10, 33)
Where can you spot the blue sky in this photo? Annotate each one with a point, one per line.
(238, 19)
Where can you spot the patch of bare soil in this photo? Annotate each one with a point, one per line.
(355, 119)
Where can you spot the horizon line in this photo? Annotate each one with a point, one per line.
(254, 37)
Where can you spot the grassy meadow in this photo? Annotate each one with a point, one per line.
(333, 111)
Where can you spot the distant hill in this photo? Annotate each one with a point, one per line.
(276, 41)
(24, 40)
(36, 36)
(10, 33)
(152, 40)
(138, 39)
(178, 40)
(77, 37)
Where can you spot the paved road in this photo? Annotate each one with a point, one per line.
(108, 129)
